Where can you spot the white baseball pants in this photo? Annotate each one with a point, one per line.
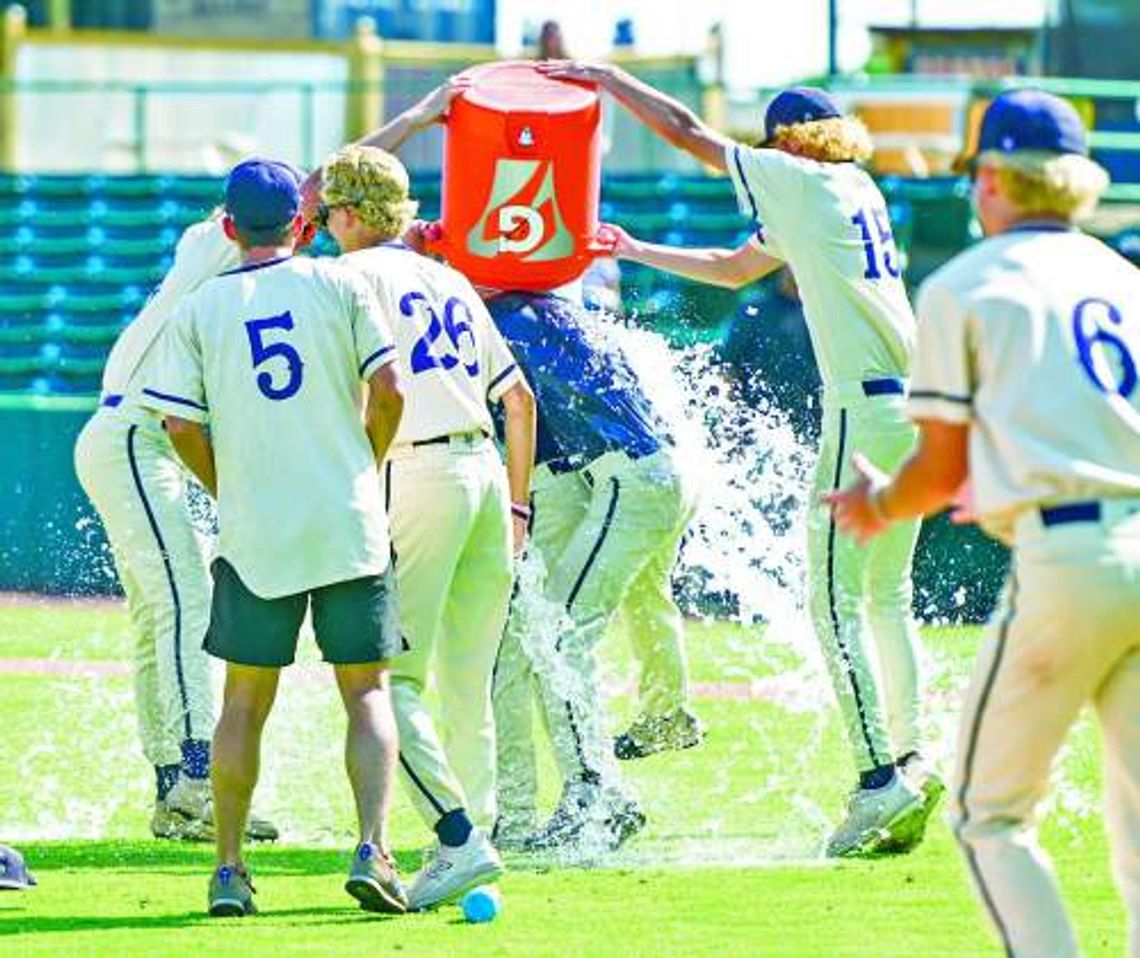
(860, 597)
(133, 476)
(449, 509)
(1067, 633)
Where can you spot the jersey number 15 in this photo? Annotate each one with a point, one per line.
(878, 243)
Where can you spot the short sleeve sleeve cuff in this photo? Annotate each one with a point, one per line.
(734, 160)
(945, 407)
(504, 380)
(169, 404)
(380, 357)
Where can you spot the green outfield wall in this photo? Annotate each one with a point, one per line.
(51, 540)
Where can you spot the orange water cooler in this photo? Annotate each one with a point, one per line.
(521, 179)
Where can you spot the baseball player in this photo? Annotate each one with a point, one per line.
(450, 502)
(127, 467)
(1026, 382)
(610, 505)
(272, 356)
(817, 211)
(641, 588)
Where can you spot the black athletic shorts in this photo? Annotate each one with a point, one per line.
(355, 622)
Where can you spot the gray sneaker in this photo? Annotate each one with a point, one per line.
(650, 734)
(878, 819)
(374, 882)
(231, 893)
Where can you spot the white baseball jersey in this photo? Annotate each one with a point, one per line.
(202, 252)
(272, 356)
(1033, 338)
(829, 223)
(456, 360)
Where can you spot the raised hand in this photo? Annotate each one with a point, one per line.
(576, 70)
(433, 107)
(621, 244)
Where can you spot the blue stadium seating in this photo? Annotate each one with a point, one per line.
(79, 255)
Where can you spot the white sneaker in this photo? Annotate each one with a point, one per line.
(452, 871)
(925, 780)
(878, 819)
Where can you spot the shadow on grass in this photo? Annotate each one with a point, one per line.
(170, 858)
(24, 924)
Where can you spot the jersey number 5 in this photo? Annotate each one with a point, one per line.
(1097, 342)
(456, 323)
(878, 243)
(262, 352)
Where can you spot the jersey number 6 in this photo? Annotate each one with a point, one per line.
(1093, 320)
(261, 352)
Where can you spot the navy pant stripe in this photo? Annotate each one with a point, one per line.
(418, 782)
(842, 646)
(611, 509)
(968, 771)
(169, 568)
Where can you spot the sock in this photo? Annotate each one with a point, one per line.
(454, 828)
(196, 758)
(904, 760)
(165, 778)
(877, 777)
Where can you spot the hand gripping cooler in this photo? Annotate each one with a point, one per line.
(521, 178)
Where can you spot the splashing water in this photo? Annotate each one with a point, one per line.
(744, 559)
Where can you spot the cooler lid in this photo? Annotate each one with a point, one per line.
(516, 85)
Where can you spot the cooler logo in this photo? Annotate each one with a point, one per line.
(522, 216)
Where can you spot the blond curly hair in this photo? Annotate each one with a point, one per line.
(841, 139)
(1040, 183)
(374, 183)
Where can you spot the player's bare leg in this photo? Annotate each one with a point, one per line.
(249, 694)
(371, 752)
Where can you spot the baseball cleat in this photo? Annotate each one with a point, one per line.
(452, 871)
(650, 734)
(231, 893)
(374, 882)
(877, 819)
(930, 787)
(588, 817)
(187, 815)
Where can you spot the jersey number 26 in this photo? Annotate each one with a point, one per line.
(458, 348)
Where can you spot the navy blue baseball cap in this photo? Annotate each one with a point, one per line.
(14, 874)
(799, 104)
(263, 195)
(1029, 120)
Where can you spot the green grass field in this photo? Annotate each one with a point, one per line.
(728, 865)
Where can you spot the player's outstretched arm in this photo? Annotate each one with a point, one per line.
(732, 268)
(925, 484)
(192, 443)
(431, 109)
(519, 431)
(393, 134)
(384, 409)
(668, 118)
